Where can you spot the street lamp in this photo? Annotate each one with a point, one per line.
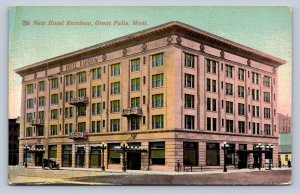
(270, 149)
(26, 148)
(102, 147)
(225, 148)
(124, 147)
(259, 148)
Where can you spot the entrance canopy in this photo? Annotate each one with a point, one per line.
(135, 149)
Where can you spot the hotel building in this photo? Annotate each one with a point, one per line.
(173, 93)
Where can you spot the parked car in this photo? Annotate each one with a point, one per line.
(51, 164)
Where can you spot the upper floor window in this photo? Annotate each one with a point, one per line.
(255, 111)
(189, 101)
(229, 107)
(68, 112)
(135, 65)
(30, 89)
(241, 74)
(30, 103)
(135, 123)
(82, 92)
(211, 66)
(188, 80)
(81, 127)
(229, 71)
(211, 85)
(267, 113)
(115, 125)
(189, 60)
(69, 96)
(267, 81)
(158, 60)
(116, 69)
(136, 102)
(54, 98)
(70, 79)
(255, 78)
(54, 83)
(255, 128)
(242, 126)
(96, 126)
(29, 116)
(157, 121)
(157, 100)
(42, 101)
(68, 128)
(189, 122)
(241, 91)
(229, 126)
(96, 108)
(135, 84)
(229, 89)
(42, 115)
(53, 130)
(82, 77)
(211, 104)
(241, 109)
(211, 124)
(255, 94)
(267, 129)
(41, 86)
(96, 91)
(115, 106)
(28, 132)
(54, 114)
(116, 88)
(96, 73)
(157, 80)
(267, 97)
(81, 110)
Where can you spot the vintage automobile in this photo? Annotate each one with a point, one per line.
(51, 164)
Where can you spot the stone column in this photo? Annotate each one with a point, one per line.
(59, 154)
(202, 153)
(87, 156)
(73, 156)
(145, 156)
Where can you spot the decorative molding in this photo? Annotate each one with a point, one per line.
(249, 62)
(104, 57)
(144, 47)
(169, 40)
(178, 40)
(46, 72)
(202, 47)
(35, 75)
(124, 52)
(222, 54)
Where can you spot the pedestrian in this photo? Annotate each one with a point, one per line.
(289, 164)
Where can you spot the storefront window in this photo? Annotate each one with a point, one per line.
(230, 157)
(80, 156)
(212, 154)
(52, 152)
(114, 157)
(66, 155)
(190, 153)
(95, 157)
(157, 153)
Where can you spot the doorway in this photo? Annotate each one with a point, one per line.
(39, 158)
(80, 157)
(243, 156)
(134, 160)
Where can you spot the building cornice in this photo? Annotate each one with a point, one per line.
(141, 37)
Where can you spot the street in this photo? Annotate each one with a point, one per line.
(38, 176)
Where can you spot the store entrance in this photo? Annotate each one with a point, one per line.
(134, 160)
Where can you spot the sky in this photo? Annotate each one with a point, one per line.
(267, 29)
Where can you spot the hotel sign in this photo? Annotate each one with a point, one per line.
(82, 63)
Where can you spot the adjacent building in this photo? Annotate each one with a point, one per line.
(13, 141)
(284, 123)
(172, 93)
(285, 148)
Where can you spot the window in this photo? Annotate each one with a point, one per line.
(29, 117)
(135, 65)
(53, 130)
(255, 94)
(229, 107)
(157, 80)
(188, 80)
(189, 101)
(190, 153)
(96, 126)
(96, 91)
(96, 73)
(242, 126)
(255, 78)
(114, 157)
(211, 104)
(267, 97)
(69, 112)
(68, 128)
(136, 102)
(211, 66)
(241, 108)
(229, 126)
(54, 98)
(96, 108)
(135, 123)
(41, 86)
(267, 113)
(30, 103)
(135, 84)
(211, 124)
(144, 120)
(189, 122)
(157, 100)
(255, 111)
(157, 121)
(115, 88)
(211, 85)
(115, 69)
(241, 91)
(229, 89)
(268, 129)
(69, 80)
(54, 114)
(69, 96)
(54, 83)
(42, 101)
(115, 106)
(41, 115)
(255, 128)
(82, 93)
(115, 125)
(212, 154)
(30, 89)
(189, 60)
(158, 60)
(241, 74)
(230, 155)
(267, 81)
(28, 132)
(229, 71)
(157, 153)
(81, 110)
(81, 127)
(144, 80)
(66, 155)
(52, 152)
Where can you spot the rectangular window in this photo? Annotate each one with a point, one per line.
(96, 126)
(157, 121)
(52, 152)
(30, 103)
(211, 124)
(82, 93)
(30, 89)
(96, 73)
(229, 89)
(114, 157)
(267, 81)
(242, 126)
(28, 132)
(41, 115)
(136, 102)
(66, 155)
(41, 86)
(267, 113)
(116, 69)
(268, 129)
(229, 107)
(69, 96)
(241, 91)
(211, 85)
(69, 80)
(115, 106)
(229, 71)
(267, 97)
(53, 130)
(135, 123)
(189, 80)
(255, 128)
(135, 84)
(68, 128)
(54, 114)
(190, 153)
(255, 78)
(54, 98)
(255, 111)
(189, 122)
(69, 112)
(157, 80)
(116, 88)
(241, 108)
(29, 117)
(96, 108)
(144, 80)
(255, 94)
(157, 153)
(114, 125)
(96, 91)
(241, 74)
(157, 100)
(212, 154)
(229, 126)
(54, 83)
(135, 65)
(81, 127)
(189, 101)
(211, 66)
(211, 104)
(189, 60)
(158, 60)
(82, 110)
